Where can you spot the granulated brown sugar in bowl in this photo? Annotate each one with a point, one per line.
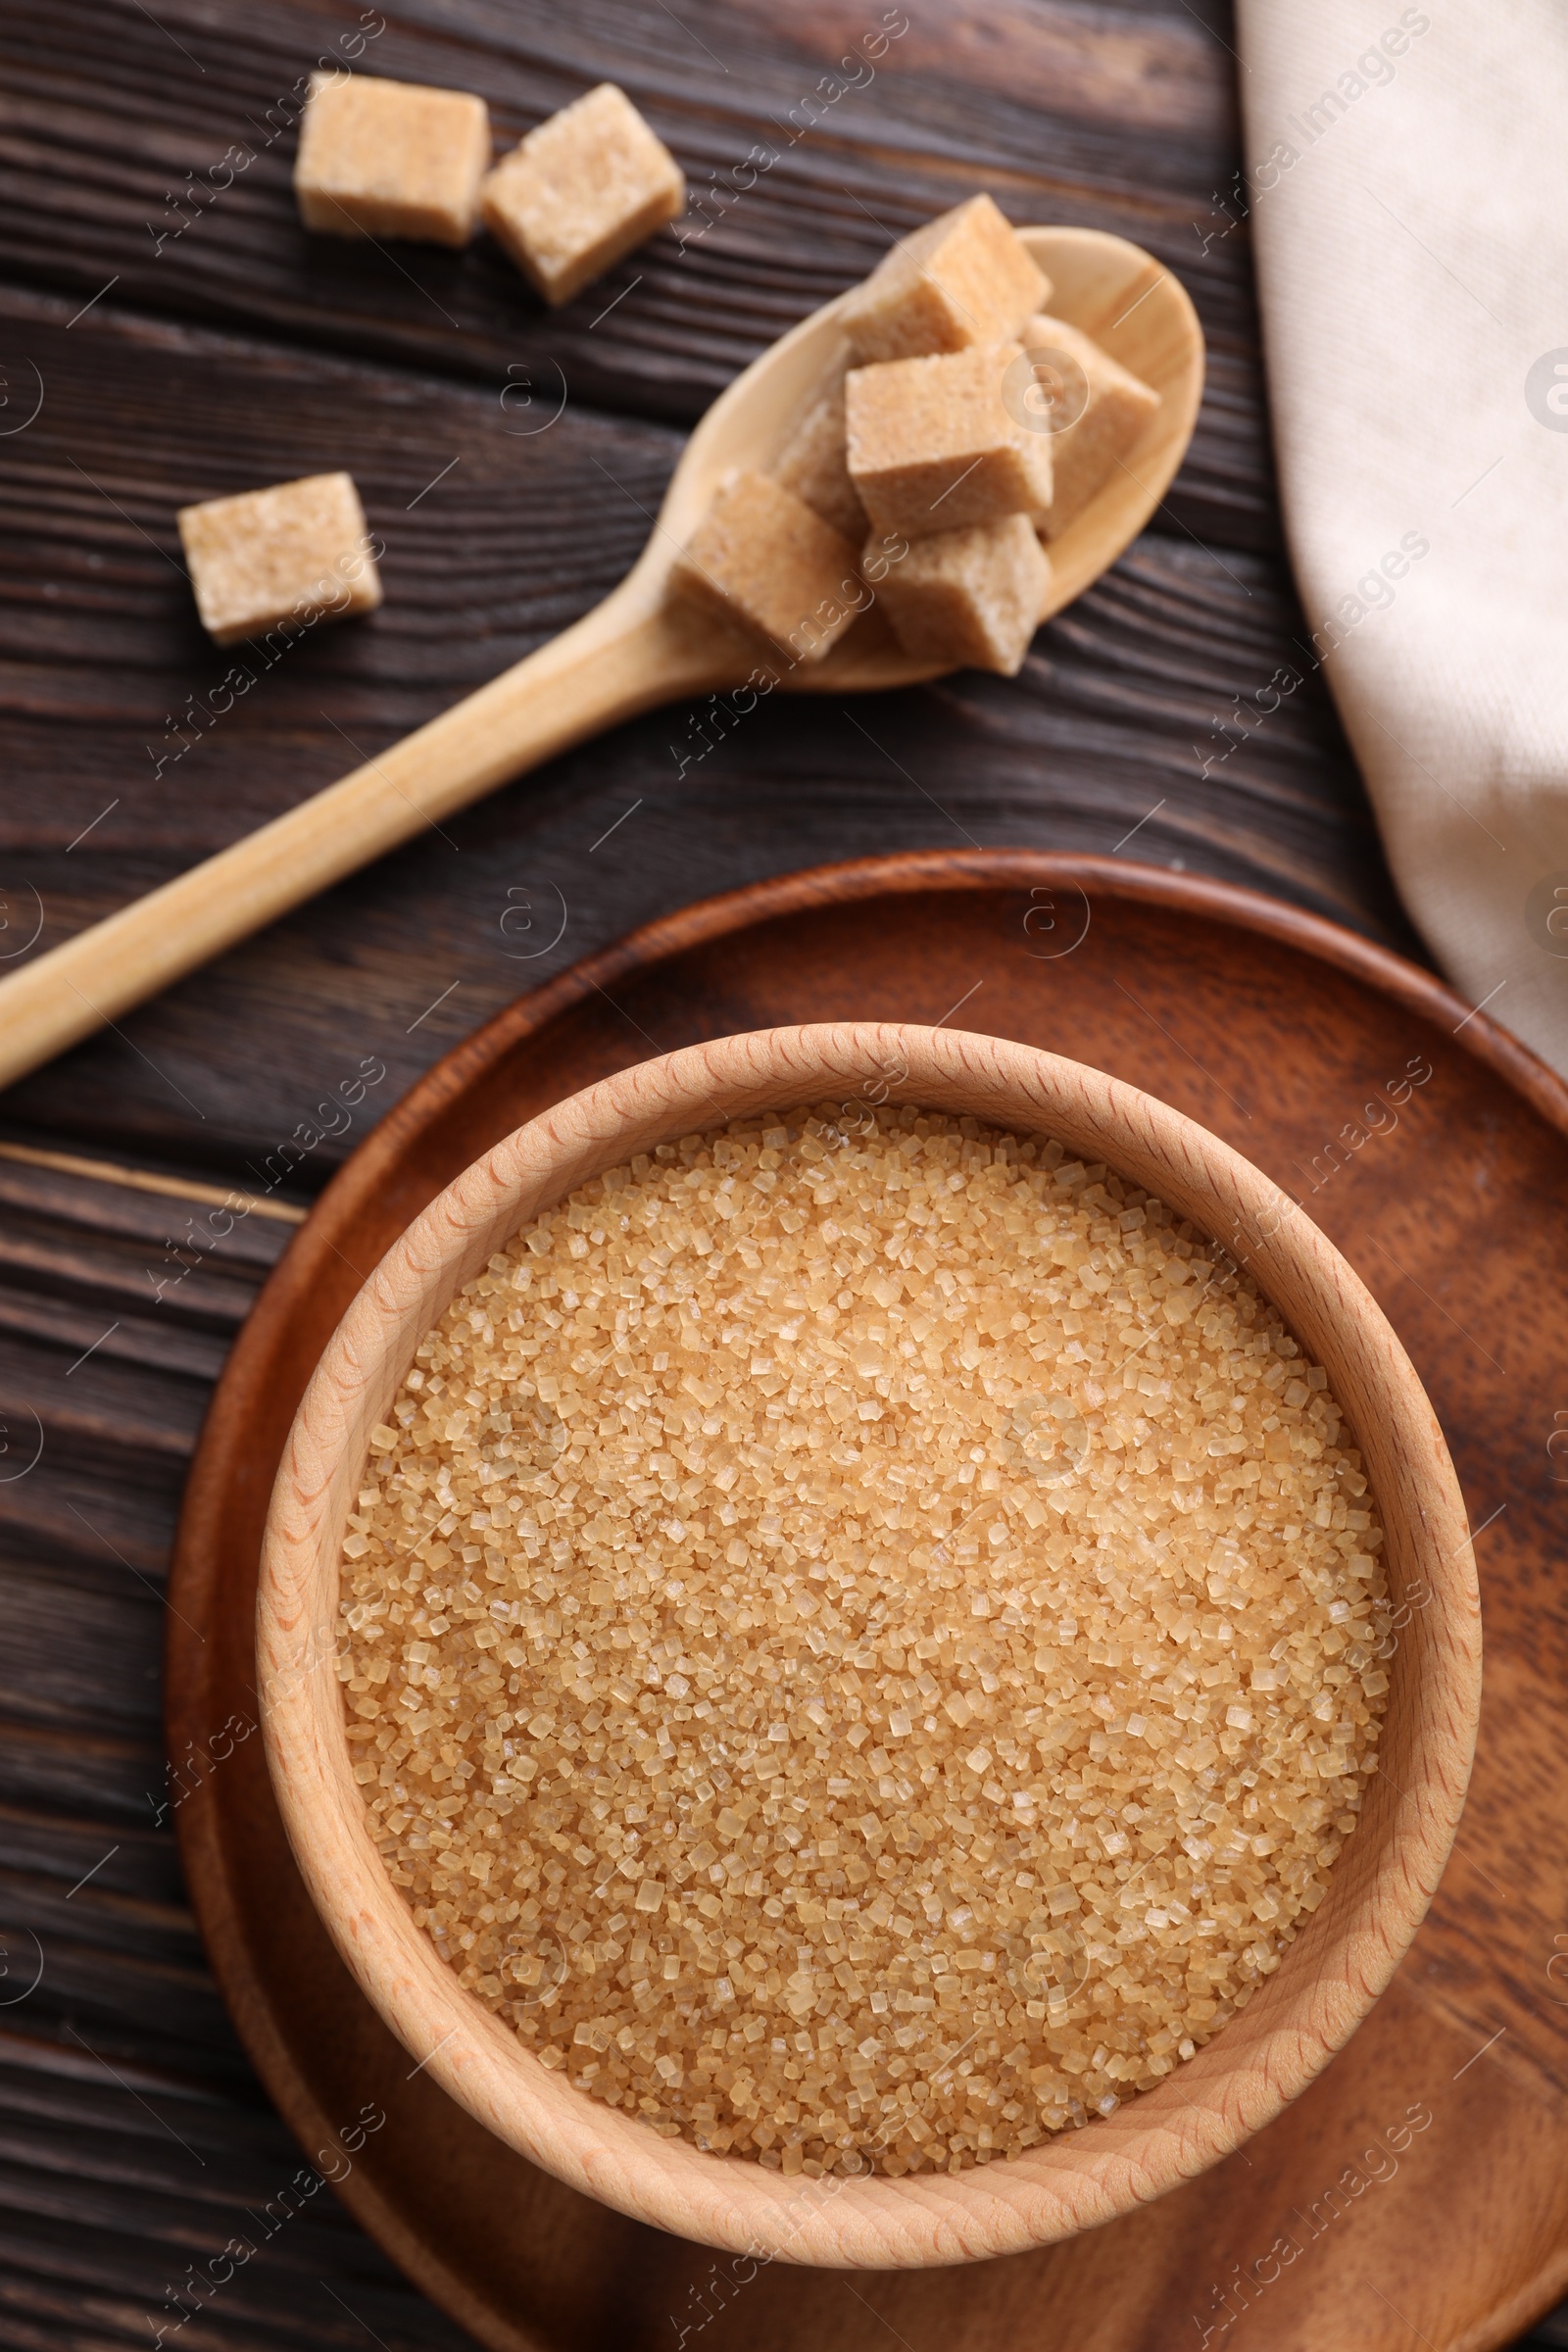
(861, 1640)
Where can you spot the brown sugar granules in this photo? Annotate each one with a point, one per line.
(861, 1640)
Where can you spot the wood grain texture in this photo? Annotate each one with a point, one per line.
(100, 655)
(1328, 1977)
(643, 647)
(94, 143)
(1097, 734)
(243, 353)
(1252, 1019)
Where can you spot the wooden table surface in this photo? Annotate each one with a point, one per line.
(167, 333)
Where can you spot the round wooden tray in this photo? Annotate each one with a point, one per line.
(1417, 2192)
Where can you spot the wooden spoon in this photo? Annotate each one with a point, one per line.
(636, 650)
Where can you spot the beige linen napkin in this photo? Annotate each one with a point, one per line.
(1407, 175)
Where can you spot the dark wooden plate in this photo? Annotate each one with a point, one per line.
(1418, 2192)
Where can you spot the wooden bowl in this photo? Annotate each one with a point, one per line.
(1328, 1977)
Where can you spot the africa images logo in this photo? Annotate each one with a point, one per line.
(1546, 391)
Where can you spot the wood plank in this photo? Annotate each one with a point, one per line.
(77, 1769)
(1123, 124)
(1123, 702)
(109, 1200)
(142, 2173)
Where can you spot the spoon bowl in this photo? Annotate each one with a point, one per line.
(1112, 290)
(639, 648)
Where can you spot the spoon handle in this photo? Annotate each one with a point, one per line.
(619, 659)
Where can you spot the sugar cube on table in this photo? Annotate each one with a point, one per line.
(1091, 408)
(933, 446)
(582, 189)
(760, 557)
(963, 278)
(972, 598)
(815, 465)
(298, 553)
(391, 159)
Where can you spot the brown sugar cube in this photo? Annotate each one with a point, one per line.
(815, 463)
(581, 190)
(932, 444)
(1108, 406)
(969, 597)
(760, 557)
(966, 277)
(391, 159)
(298, 553)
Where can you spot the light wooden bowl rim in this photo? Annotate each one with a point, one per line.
(1330, 1975)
